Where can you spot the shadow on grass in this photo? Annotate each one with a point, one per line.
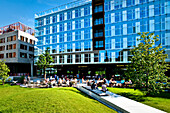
(74, 90)
(139, 98)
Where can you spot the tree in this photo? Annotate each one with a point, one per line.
(147, 68)
(44, 61)
(4, 70)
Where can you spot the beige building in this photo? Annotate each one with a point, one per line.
(17, 48)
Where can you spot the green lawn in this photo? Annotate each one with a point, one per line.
(63, 100)
(161, 101)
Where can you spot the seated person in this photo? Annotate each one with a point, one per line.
(83, 81)
(68, 82)
(75, 81)
(122, 82)
(93, 86)
(104, 89)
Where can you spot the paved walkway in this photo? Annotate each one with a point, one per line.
(120, 103)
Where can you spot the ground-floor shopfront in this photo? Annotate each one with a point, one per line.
(20, 69)
(86, 71)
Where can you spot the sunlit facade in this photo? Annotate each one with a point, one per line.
(99, 32)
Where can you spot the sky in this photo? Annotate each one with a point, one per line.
(23, 11)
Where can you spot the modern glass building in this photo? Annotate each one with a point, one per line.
(94, 36)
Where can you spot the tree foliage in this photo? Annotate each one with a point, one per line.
(4, 70)
(44, 61)
(147, 68)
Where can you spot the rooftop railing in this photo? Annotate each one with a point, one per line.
(17, 26)
(62, 7)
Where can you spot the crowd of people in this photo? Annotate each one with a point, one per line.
(64, 81)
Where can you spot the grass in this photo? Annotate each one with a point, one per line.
(62, 100)
(161, 101)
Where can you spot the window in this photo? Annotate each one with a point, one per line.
(131, 28)
(78, 35)
(9, 55)
(61, 57)
(61, 28)
(69, 58)
(54, 19)
(87, 22)
(77, 13)
(119, 43)
(108, 43)
(47, 30)
(130, 2)
(157, 23)
(69, 47)
(61, 17)
(31, 41)
(69, 15)
(87, 45)
(96, 57)
(156, 10)
(99, 44)
(98, 33)
(163, 39)
(1, 56)
(31, 56)
(118, 29)
(107, 18)
(107, 31)
(61, 37)
(162, 8)
(162, 23)
(119, 56)
(107, 6)
(78, 58)
(21, 38)
(77, 24)
(86, 10)
(48, 20)
(118, 4)
(14, 54)
(40, 22)
(61, 48)
(2, 40)
(142, 1)
(87, 58)
(54, 29)
(2, 48)
(87, 34)
(14, 46)
(54, 49)
(23, 55)
(47, 41)
(14, 37)
(31, 49)
(69, 36)
(54, 39)
(24, 47)
(118, 16)
(98, 21)
(77, 46)
(69, 25)
(9, 39)
(26, 39)
(98, 8)
(131, 41)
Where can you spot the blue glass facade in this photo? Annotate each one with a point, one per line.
(67, 31)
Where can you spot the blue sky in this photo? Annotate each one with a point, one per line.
(23, 10)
